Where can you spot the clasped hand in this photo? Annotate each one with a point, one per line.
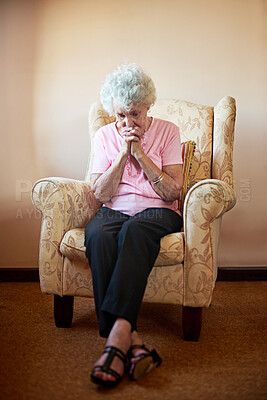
(132, 139)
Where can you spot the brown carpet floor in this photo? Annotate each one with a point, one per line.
(40, 361)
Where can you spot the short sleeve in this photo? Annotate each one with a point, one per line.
(100, 158)
(172, 150)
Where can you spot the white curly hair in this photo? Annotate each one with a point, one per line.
(128, 84)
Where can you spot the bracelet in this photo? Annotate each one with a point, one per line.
(159, 178)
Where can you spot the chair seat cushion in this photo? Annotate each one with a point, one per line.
(171, 247)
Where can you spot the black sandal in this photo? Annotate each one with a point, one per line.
(112, 352)
(147, 362)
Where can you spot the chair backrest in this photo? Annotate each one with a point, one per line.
(212, 128)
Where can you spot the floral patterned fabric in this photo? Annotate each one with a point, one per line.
(186, 268)
(204, 206)
(64, 204)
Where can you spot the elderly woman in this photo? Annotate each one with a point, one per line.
(137, 176)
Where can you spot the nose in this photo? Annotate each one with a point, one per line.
(128, 122)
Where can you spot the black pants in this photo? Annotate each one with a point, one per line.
(122, 251)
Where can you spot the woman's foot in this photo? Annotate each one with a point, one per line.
(142, 360)
(136, 352)
(120, 337)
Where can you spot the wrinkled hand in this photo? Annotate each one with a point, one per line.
(132, 138)
(136, 148)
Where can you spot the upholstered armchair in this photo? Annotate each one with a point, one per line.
(186, 268)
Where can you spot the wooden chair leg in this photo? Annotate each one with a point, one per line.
(63, 311)
(192, 321)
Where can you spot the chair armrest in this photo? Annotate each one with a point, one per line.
(64, 204)
(71, 200)
(205, 204)
(211, 195)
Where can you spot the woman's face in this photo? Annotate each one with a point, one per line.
(135, 117)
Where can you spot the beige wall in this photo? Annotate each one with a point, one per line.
(54, 56)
